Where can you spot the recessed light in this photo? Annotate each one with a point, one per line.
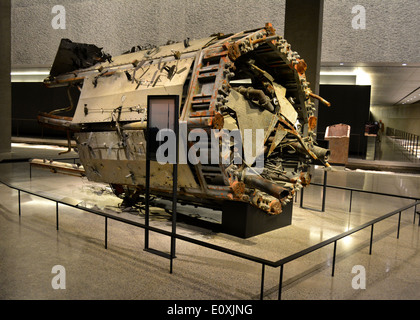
(341, 64)
(404, 64)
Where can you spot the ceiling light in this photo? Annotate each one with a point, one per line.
(337, 73)
(29, 73)
(363, 78)
(404, 64)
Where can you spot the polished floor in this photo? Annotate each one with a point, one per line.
(30, 245)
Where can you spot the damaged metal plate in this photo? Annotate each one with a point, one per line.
(107, 159)
(102, 95)
(286, 108)
(246, 114)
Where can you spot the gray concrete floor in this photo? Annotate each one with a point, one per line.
(30, 245)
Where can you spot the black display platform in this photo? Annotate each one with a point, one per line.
(244, 220)
(236, 218)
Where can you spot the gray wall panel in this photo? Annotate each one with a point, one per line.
(392, 32)
(118, 25)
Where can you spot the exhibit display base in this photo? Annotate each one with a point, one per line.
(238, 219)
(244, 221)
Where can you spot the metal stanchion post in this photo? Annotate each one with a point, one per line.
(56, 215)
(324, 190)
(333, 264)
(301, 198)
(371, 239)
(399, 224)
(106, 232)
(19, 202)
(262, 282)
(280, 281)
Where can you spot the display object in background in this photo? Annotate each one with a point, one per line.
(248, 80)
(371, 129)
(339, 138)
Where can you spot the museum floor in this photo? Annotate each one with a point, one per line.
(30, 245)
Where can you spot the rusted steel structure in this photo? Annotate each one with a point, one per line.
(248, 80)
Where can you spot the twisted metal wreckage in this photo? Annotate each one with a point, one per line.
(248, 80)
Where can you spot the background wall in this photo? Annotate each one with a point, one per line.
(117, 25)
(5, 94)
(349, 105)
(405, 118)
(391, 33)
(31, 98)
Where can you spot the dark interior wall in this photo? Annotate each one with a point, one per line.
(350, 104)
(5, 95)
(31, 98)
